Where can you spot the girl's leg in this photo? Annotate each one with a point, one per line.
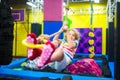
(58, 55)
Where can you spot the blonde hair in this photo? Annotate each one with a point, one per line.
(77, 34)
(41, 37)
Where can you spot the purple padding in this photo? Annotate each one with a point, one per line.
(83, 44)
(18, 15)
(53, 10)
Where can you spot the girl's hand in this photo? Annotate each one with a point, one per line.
(65, 28)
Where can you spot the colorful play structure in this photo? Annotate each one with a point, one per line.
(100, 43)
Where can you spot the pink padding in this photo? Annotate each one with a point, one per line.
(85, 66)
(53, 10)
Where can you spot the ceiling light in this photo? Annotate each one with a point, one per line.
(64, 4)
(97, 1)
(31, 4)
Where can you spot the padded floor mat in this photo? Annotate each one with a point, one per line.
(104, 67)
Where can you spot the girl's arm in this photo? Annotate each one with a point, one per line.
(63, 29)
(56, 41)
(56, 37)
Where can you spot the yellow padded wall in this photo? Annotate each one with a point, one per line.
(20, 32)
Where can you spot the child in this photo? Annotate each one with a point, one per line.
(58, 57)
(64, 54)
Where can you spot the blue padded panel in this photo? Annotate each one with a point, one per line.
(7, 71)
(51, 27)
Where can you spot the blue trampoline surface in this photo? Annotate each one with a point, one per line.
(14, 70)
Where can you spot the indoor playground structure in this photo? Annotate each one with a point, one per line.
(97, 56)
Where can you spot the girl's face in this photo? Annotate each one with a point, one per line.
(72, 34)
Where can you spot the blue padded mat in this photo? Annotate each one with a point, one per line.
(14, 70)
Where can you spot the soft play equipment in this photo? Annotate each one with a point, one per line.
(92, 51)
(85, 65)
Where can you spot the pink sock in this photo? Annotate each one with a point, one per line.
(47, 51)
(32, 53)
